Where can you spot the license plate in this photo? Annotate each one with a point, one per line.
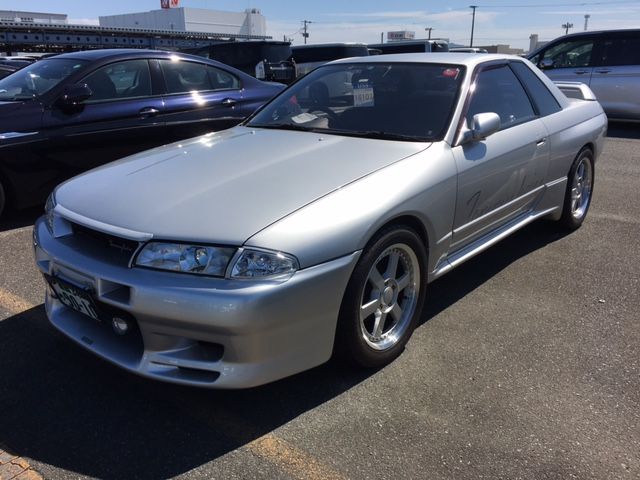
(74, 297)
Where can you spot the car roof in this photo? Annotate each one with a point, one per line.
(101, 54)
(461, 58)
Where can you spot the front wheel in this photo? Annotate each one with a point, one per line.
(383, 300)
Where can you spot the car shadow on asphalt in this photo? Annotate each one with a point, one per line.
(19, 219)
(63, 407)
(628, 130)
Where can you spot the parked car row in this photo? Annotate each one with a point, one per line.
(240, 257)
(63, 115)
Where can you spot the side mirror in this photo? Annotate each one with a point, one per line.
(546, 64)
(74, 95)
(482, 125)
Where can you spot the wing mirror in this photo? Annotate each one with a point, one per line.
(482, 125)
(545, 64)
(74, 95)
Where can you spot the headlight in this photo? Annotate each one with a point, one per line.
(48, 211)
(185, 258)
(262, 264)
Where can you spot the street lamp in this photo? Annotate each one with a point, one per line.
(428, 29)
(473, 22)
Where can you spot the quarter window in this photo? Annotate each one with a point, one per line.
(120, 80)
(542, 97)
(498, 90)
(183, 77)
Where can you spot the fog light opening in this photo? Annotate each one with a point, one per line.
(120, 325)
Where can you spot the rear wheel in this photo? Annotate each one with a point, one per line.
(579, 190)
(383, 300)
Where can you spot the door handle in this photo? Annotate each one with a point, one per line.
(580, 72)
(228, 102)
(541, 141)
(148, 112)
(604, 70)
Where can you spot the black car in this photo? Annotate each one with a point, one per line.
(63, 115)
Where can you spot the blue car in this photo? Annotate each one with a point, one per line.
(66, 114)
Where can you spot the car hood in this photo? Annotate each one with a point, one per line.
(223, 187)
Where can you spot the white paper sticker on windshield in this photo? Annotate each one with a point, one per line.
(304, 117)
(363, 95)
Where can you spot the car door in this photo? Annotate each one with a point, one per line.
(498, 177)
(616, 77)
(569, 60)
(120, 118)
(200, 98)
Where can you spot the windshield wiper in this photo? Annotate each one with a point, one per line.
(379, 134)
(282, 126)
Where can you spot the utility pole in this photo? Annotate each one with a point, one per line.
(473, 22)
(586, 21)
(428, 29)
(566, 27)
(381, 37)
(305, 33)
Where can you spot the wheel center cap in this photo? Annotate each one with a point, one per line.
(387, 295)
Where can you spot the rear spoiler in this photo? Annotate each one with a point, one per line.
(576, 90)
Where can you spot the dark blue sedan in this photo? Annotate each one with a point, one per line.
(66, 114)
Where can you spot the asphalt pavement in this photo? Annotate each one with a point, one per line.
(526, 365)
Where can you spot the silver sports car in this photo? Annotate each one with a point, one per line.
(243, 256)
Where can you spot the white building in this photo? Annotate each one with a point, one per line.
(16, 16)
(249, 22)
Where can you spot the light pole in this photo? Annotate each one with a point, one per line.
(428, 29)
(586, 21)
(473, 22)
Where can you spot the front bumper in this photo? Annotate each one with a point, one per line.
(201, 331)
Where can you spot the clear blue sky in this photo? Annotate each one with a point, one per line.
(497, 21)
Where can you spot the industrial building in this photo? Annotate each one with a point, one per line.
(16, 16)
(248, 23)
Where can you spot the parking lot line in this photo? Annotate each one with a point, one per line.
(292, 460)
(13, 303)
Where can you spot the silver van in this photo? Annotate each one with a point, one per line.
(608, 61)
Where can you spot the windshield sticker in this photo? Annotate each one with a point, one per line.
(363, 95)
(304, 118)
(451, 73)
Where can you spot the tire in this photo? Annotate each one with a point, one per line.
(577, 198)
(381, 307)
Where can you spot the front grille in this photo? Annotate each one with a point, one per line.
(116, 249)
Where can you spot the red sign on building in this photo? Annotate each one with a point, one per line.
(169, 3)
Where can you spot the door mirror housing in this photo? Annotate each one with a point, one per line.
(545, 64)
(482, 125)
(74, 95)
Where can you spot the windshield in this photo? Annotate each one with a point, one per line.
(394, 101)
(314, 53)
(37, 78)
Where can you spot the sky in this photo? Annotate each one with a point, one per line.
(497, 21)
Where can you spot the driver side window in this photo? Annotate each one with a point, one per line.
(120, 80)
(570, 54)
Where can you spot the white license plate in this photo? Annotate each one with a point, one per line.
(74, 298)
